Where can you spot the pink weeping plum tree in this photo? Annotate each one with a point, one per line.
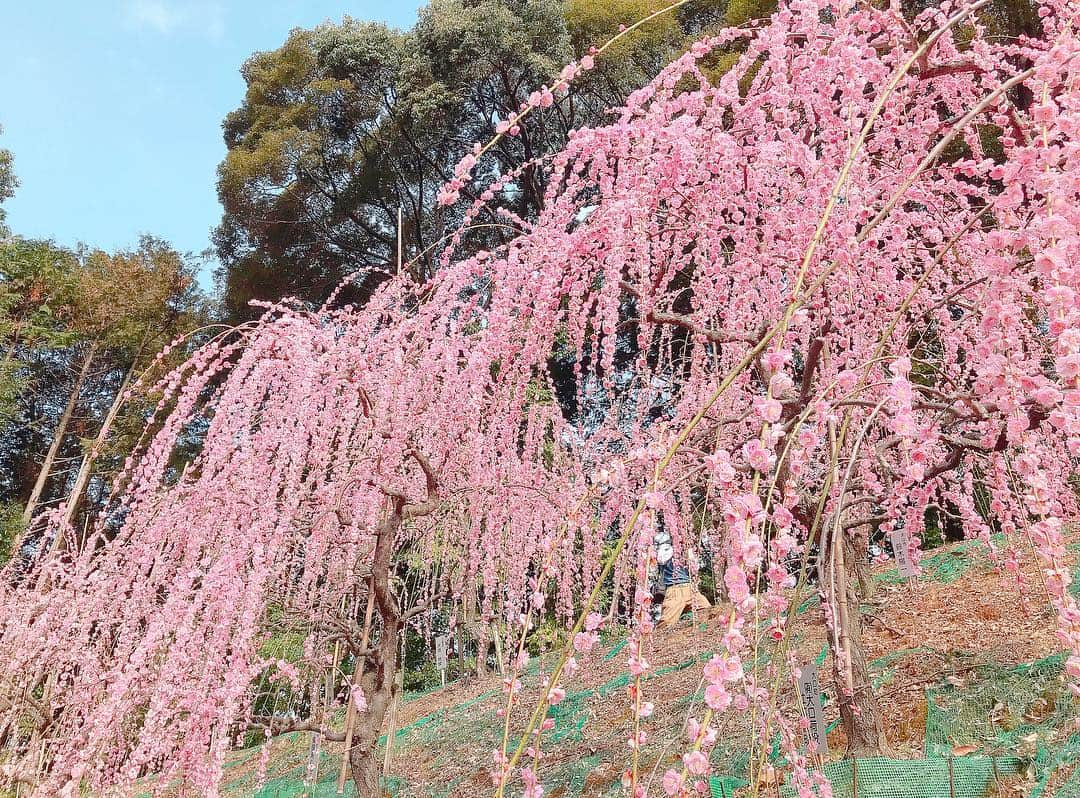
(805, 300)
(337, 444)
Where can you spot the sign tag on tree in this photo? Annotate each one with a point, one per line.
(812, 710)
(901, 545)
(442, 643)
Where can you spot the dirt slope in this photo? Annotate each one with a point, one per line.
(959, 616)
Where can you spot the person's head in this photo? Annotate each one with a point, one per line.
(664, 550)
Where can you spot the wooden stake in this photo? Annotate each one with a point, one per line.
(496, 636)
(350, 709)
(311, 772)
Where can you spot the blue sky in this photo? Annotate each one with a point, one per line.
(113, 108)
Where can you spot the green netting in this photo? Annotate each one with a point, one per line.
(462, 717)
(287, 773)
(1059, 775)
(615, 649)
(933, 777)
(574, 711)
(1026, 710)
(725, 786)
(1000, 710)
(882, 669)
(945, 565)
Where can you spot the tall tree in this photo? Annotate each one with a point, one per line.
(159, 301)
(37, 291)
(126, 306)
(346, 123)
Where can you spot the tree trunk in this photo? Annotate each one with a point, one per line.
(365, 768)
(861, 549)
(459, 641)
(496, 636)
(86, 466)
(380, 688)
(860, 714)
(354, 684)
(58, 437)
(477, 631)
(379, 683)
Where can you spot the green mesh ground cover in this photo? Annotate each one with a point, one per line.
(945, 565)
(615, 649)
(934, 777)
(286, 773)
(574, 712)
(1059, 775)
(725, 786)
(1001, 709)
(1025, 710)
(883, 668)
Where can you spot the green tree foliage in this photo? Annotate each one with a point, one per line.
(633, 60)
(78, 328)
(8, 184)
(132, 296)
(346, 123)
(131, 304)
(37, 295)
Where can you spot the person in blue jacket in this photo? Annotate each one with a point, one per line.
(672, 589)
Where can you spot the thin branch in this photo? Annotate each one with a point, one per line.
(715, 335)
(278, 726)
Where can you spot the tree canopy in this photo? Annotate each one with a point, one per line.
(345, 124)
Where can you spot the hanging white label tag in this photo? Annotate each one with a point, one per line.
(901, 545)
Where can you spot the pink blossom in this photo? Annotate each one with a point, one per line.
(533, 789)
(717, 698)
(720, 465)
(696, 763)
(673, 781)
(760, 458)
(584, 641)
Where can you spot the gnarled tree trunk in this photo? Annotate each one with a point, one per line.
(860, 714)
(379, 681)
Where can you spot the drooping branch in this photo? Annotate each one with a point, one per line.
(712, 334)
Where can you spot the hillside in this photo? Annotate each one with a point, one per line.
(948, 663)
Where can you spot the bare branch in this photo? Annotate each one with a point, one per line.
(716, 335)
(431, 502)
(276, 726)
